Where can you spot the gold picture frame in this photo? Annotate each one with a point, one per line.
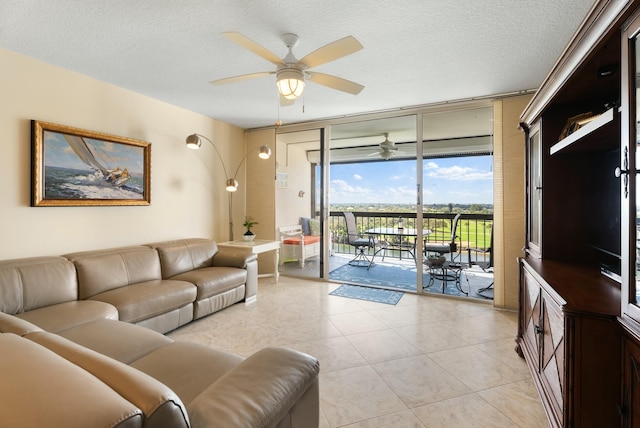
(76, 167)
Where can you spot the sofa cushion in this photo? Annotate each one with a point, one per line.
(119, 340)
(106, 270)
(59, 317)
(214, 280)
(308, 240)
(160, 405)
(187, 368)
(304, 222)
(314, 225)
(148, 299)
(41, 389)
(259, 392)
(31, 283)
(185, 255)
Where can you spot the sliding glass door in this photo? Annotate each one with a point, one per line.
(402, 179)
(299, 202)
(458, 200)
(373, 178)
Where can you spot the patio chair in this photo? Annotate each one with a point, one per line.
(443, 248)
(359, 242)
(485, 263)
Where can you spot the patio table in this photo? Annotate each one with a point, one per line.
(446, 271)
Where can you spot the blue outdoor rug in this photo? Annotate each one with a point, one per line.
(397, 276)
(378, 295)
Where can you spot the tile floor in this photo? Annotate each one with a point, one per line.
(426, 362)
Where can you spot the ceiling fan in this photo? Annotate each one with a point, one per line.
(291, 72)
(387, 148)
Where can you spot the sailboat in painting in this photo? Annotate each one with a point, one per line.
(116, 176)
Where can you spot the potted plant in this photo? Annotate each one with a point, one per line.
(249, 222)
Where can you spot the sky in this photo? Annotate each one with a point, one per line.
(462, 180)
(58, 153)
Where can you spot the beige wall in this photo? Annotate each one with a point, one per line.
(289, 205)
(187, 194)
(261, 197)
(509, 216)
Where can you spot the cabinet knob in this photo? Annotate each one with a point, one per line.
(619, 171)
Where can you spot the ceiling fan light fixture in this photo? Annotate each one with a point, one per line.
(290, 83)
(386, 154)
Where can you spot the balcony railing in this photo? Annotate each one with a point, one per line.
(473, 230)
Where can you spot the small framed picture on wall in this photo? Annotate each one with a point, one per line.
(282, 180)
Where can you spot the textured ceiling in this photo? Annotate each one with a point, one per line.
(415, 52)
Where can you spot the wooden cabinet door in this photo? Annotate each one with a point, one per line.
(552, 353)
(631, 383)
(531, 310)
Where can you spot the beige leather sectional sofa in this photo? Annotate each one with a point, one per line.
(81, 343)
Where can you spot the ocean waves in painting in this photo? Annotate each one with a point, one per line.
(63, 183)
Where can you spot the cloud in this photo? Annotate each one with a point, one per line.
(357, 177)
(343, 192)
(430, 165)
(459, 173)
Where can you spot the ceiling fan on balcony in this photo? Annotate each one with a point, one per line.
(292, 73)
(387, 149)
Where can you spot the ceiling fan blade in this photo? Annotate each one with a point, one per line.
(332, 51)
(241, 78)
(249, 44)
(335, 82)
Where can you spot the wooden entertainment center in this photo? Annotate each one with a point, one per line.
(579, 319)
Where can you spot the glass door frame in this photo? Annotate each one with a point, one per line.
(325, 126)
(628, 153)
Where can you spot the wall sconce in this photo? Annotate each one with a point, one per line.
(194, 142)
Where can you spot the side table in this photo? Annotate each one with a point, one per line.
(445, 272)
(257, 246)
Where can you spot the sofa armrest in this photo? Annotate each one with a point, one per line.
(259, 392)
(160, 406)
(233, 258)
(42, 389)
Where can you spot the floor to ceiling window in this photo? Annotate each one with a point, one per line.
(374, 170)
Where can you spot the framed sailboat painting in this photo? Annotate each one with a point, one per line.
(75, 167)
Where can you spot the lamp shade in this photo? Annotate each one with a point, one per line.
(290, 82)
(265, 152)
(232, 185)
(193, 142)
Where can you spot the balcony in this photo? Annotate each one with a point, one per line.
(397, 269)
(474, 230)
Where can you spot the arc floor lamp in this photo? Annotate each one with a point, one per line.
(194, 142)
